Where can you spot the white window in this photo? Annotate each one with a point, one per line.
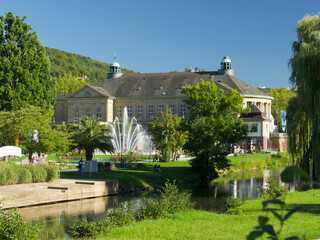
(98, 116)
(76, 117)
(182, 110)
(88, 115)
(139, 110)
(119, 111)
(254, 127)
(161, 108)
(150, 110)
(129, 108)
(172, 109)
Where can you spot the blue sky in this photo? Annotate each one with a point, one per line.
(151, 36)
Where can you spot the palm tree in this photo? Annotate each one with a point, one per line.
(91, 135)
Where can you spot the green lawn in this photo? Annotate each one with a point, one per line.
(143, 176)
(205, 225)
(259, 161)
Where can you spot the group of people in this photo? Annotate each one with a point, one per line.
(157, 168)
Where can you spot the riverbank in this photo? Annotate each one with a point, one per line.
(142, 177)
(206, 225)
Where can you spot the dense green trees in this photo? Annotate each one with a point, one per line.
(65, 63)
(305, 76)
(24, 69)
(91, 135)
(280, 101)
(69, 84)
(214, 128)
(168, 133)
(31, 127)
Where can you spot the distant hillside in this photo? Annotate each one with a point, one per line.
(64, 63)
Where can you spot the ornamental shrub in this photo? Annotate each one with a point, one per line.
(52, 173)
(7, 175)
(170, 201)
(13, 227)
(83, 228)
(24, 175)
(39, 174)
(273, 190)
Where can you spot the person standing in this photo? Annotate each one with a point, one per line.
(81, 166)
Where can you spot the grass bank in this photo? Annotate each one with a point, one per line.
(143, 177)
(259, 161)
(206, 225)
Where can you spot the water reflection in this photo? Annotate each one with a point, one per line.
(210, 197)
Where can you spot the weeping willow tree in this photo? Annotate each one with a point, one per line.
(305, 76)
(300, 131)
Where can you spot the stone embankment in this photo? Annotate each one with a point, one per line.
(21, 195)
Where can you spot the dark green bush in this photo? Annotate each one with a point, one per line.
(232, 202)
(273, 190)
(170, 201)
(121, 216)
(83, 228)
(12, 226)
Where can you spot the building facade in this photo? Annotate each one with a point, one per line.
(145, 95)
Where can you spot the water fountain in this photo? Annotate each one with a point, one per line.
(132, 137)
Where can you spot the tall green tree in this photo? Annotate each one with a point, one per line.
(281, 97)
(69, 84)
(299, 130)
(24, 68)
(214, 128)
(30, 129)
(168, 132)
(305, 76)
(92, 135)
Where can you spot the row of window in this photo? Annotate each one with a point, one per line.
(77, 117)
(150, 109)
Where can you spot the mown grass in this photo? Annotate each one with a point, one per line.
(143, 176)
(206, 225)
(259, 161)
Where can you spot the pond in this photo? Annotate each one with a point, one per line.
(54, 218)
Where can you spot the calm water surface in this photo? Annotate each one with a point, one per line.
(54, 218)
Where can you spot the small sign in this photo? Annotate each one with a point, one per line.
(10, 151)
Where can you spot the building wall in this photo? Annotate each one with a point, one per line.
(263, 103)
(280, 142)
(146, 103)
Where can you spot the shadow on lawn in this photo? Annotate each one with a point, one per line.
(307, 208)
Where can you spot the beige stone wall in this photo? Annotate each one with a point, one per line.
(145, 103)
(263, 103)
(81, 104)
(71, 110)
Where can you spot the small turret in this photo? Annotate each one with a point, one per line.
(226, 67)
(115, 70)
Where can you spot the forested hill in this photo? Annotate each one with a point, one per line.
(65, 63)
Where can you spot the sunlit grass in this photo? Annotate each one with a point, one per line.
(206, 225)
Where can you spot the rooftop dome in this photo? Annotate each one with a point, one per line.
(114, 64)
(226, 59)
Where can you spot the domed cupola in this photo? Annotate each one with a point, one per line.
(226, 67)
(115, 70)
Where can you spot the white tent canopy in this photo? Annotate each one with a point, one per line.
(10, 151)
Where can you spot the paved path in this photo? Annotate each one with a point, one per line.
(20, 195)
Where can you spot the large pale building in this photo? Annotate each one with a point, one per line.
(147, 94)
